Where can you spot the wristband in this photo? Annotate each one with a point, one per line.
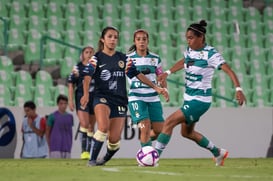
(238, 89)
(168, 72)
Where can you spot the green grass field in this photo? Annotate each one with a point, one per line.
(127, 170)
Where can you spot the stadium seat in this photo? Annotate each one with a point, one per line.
(36, 22)
(200, 11)
(53, 53)
(17, 39)
(73, 9)
(36, 8)
(89, 37)
(43, 95)
(31, 53)
(92, 9)
(73, 37)
(43, 77)
(252, 13)
(23, 77)
(218, 12)
(5, 96)
(55, 8)
(60, 89)
(6, 64)
(268, 26)
(17, 7)
(22, 93)
(56, 23)
(72, 53)
(66, 66)
(6, 78)
(73, 23)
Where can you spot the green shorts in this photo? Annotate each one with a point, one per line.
(141, 110)
(193, 110)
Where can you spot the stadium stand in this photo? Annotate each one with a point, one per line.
(240, 29)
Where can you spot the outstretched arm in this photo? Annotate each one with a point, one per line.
(239, 91)
(177, 66)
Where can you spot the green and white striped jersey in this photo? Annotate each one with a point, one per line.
(150, 66)
(199, 69)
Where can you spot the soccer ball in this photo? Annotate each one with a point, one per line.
(147, 156)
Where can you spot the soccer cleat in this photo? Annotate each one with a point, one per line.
(85, 155)
(91, 163)
(219, 160)
(101, 162)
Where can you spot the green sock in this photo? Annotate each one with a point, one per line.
(162, 141)
(149, 143)
(205, 143)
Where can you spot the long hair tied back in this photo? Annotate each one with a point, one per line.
(199, 28)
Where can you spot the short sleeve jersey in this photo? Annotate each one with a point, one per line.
(150, 66)
(78, 80)
(110, 76)
(199, 68)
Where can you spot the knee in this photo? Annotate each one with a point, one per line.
(185, 134)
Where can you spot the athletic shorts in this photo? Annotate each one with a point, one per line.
(141, 110)
(193, 110)
(116, 110)
(89, 108)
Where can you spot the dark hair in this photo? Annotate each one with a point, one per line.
(104, 31)
(198, 29)
(62, 97)
(84, 48)
(30, 104)
(133, 47)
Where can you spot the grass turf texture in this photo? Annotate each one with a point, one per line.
(127, 170)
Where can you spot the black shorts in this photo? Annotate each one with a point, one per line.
(116, 110)
(89, 108)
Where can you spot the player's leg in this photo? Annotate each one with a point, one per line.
(156, 116)
(113, 143)
(164, 137)
(90, 132)
(83, 117)
(140, 116)
(145, 128)
(193, 111)
(102, 112)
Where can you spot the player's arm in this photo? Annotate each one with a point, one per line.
(87, 74)
(71, 96)
(239, 91)
(176, 67)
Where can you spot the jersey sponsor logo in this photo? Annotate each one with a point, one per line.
(121, 64)
(105, 75)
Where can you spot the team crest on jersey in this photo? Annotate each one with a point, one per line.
(153, 61)
(201, 55)
(121, 64)
(103, 100)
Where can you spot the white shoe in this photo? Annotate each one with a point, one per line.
(219, 161)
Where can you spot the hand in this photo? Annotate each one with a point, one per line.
(162, 78)
(240, 97)
(71, 106)
(164, 92)
(84, 100)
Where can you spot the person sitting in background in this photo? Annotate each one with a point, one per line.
(59, 130)
(33, 129)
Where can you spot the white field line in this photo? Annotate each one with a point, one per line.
(115, 169)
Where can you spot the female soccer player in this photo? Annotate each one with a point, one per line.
(86, 115)
(200, 60)
(109, 68)
(144, 103)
